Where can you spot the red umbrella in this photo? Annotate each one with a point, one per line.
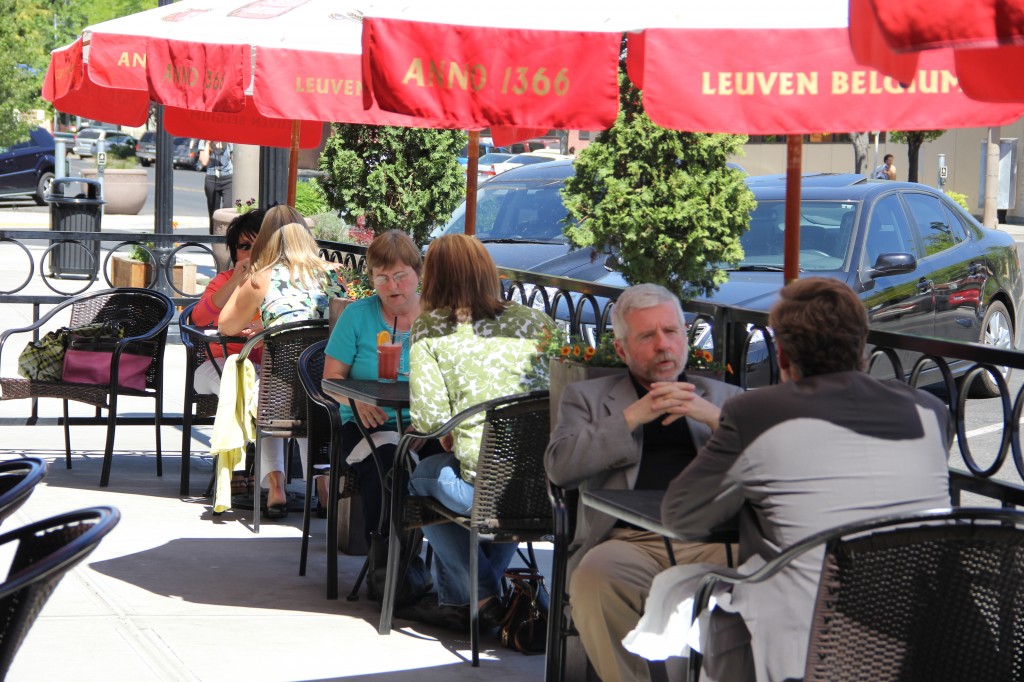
(986, 38)
(737, 66)
(253, 73)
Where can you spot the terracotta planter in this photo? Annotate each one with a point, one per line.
(128, 272)
(124, 189)
(564, 372)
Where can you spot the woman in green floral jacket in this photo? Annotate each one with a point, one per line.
(468, 346)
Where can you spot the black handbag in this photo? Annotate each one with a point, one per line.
(525, 625)
(414, 579)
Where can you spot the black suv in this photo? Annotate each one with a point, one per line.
(26, 168)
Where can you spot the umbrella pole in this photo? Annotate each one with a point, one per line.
(293, 162)
(472, 166)
(791, 251)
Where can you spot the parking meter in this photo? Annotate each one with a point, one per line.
(943, 172)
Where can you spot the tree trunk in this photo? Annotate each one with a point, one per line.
(914, 141)
(989, 216)
(860, 150)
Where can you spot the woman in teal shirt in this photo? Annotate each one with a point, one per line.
(394, 264)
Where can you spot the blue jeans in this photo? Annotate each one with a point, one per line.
(438, 477)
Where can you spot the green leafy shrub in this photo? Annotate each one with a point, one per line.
(329, 227)
(960, 199)
(310, 199)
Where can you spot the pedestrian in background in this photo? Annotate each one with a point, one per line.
(216, 157)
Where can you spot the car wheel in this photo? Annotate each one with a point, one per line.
(145, 162)
(997, 331)
(43, 188)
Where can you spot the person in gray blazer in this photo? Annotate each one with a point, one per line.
(634, 431)
(830, 445)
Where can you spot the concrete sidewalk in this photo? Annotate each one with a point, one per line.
(174, 593)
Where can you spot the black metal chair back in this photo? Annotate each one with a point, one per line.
(18, 478)
(44, 552)
(324, 429)
(935, 595)
(510, 501)
(281, 402)
(926, 602)
(510, 494)
(144, 315)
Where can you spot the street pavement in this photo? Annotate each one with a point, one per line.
(174, 593)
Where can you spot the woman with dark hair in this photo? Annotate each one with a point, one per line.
(240, 235)
(468, 346)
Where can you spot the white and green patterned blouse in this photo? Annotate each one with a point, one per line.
(453, 367)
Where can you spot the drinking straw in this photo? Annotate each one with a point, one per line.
(394, 330)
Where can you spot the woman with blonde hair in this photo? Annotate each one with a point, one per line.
(287, 281)
(468, 346)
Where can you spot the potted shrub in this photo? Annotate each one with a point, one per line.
(136, 270)
(125, 183)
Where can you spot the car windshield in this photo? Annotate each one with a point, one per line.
(826, 228)
(494, 158)
(516, 214)
(90, 133)
(526, 159)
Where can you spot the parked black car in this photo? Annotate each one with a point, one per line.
(921, 264)
(27, 168)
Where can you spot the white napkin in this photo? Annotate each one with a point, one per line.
(362, 450)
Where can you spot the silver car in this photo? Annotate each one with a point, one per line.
(86, 139)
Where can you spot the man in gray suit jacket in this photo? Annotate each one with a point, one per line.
(830, 445)
(637, 430)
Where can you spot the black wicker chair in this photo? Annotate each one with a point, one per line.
(45, 551)
(144, 314)
(18, 478)
(936, 596)
(560, 659)
(324, 427)
(510, 499)
(197, 408)
(281, 402)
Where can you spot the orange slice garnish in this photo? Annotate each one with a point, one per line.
(383, 338)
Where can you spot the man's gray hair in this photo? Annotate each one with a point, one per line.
(639, 297)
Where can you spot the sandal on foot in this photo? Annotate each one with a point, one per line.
(276, 511)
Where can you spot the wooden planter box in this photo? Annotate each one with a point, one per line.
(128, 272)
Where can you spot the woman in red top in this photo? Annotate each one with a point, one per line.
(241, 234)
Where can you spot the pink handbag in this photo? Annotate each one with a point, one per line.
(93, 367)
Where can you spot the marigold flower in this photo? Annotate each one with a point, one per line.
(566, 351)
(576, 351)
(589, 353)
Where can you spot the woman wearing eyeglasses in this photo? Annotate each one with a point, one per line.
(393, 262)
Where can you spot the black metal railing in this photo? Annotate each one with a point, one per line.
(740, 338)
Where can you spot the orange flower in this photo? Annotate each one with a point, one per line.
(708, 357)
(589, 352)
(576, 351)
(728, 368)
(566, 351)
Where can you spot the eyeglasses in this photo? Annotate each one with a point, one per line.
(397, 278)
(244, 247)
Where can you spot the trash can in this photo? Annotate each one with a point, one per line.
(75, 210)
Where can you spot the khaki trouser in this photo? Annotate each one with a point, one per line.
(608, 590)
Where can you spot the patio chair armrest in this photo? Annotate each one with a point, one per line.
(36, 325)
(258, 338)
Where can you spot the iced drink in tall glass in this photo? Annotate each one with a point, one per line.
(388, 355)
